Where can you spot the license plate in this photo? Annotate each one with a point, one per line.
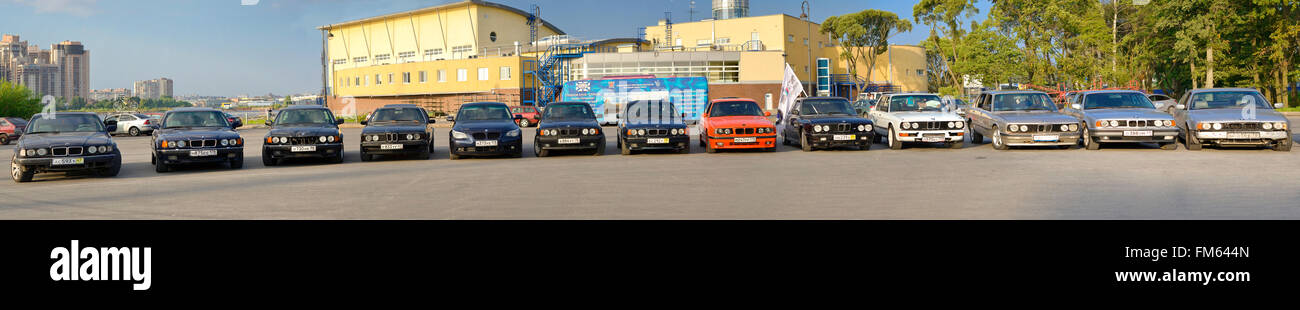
(844, 137)
(1243, 135)
(1047, 138)
(390, 146)
(202, 153)
(745, 140)
(308, 148)
(569, 141)
(656, 140)
(1139, 133)
(69, 161)
(485, 143)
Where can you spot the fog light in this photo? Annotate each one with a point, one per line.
(1169, 137)
(171, 157)
(719, 143)
(823, 139)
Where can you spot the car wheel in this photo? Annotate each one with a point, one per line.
(702, 143)
(267, 160)
(4, 139)
(338, 157)
(112, 170)
(237, 163)
(539, 152)
(803, 143)
(1191, 142)
(600, 150)
(135, 132)
(161, 167)
(998, 144)
(623, 149)
(19, 173)
(1088, 142)
(894, 144)
(685, 150)
(365, 157)
(523, 122)
(1283, 145)
(424, 154)
(708, 147)
(784, 141)
(975, 136)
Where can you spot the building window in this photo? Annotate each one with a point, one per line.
(432, 54)
(678, 42)
(378, 81)
(424, 76)
(406, 56)
(406, 78)
(442, 76)
(482, 74)
(723, 41)
(805, 41)
(705, 42)
(462, 75)
(505, 73)
(357, 81)
(359, 59)
(390, 78)
(340, 61)
(382, 57)
(790, 38)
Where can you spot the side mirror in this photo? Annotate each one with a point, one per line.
(431, 120)
(1076, 106)
(1277, 105)
(340, 121)
(451, 118)
(364, 122)
(768, 114)
(1181, 106)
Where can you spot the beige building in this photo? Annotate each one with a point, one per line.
(110, 94)
(73, 60)
(154, 89)
(62, 71)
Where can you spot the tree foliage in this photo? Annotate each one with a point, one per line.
(864, 35)
(17, 101)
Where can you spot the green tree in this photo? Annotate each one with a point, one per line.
(17, 101)
(947, 17)
(864, 35)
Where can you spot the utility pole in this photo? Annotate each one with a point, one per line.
(1114, 37)
(807, 17)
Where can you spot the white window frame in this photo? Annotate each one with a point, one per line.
(442, 75)
(483, 74)
(505, 73)
(424, 76)
(462, 75)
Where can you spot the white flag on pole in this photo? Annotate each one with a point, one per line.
(791, 88)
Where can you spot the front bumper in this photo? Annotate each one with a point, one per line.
(584, 142)
(760, 142)
(677, 142)
(90, 162)
(505, 146)
(1244, 138)
(828, 139)
(932, 136)
(408, 147)
(1041, 139)
(182, 155)
(324, 150)
(1164, 135)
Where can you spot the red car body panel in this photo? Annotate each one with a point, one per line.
(526, 112)
(708, 126)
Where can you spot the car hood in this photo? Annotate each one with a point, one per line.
(1229, 115)
(195, 133)
(1127, 114)
(392, 128)
(739, 121)
(834, 119)
(304, 131)
(569, 124)
(476, 126)
(927, 116)
(41, 140)
(1034, 117)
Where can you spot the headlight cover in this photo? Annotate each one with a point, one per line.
(454, 134)
(514, 133)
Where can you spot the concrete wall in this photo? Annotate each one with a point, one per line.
(368, 87)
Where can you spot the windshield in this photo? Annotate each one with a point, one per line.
(65, 123)
(826, 107)
(195, 119)
(398, 115)
(1117, 101)
(484, 112)
(1023, 102)
(918, 103)
(652, 112)
(1226, 100)
(735, 108)
(305, 116)
(568, 112)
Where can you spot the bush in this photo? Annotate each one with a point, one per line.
(18, 101)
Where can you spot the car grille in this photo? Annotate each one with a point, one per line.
(1136, 123)
(931, 126)
(304, 140)
(66, 151)
(201, 143)
(1243, 126)
(570, 131)
(487, 135)
(1046, 128)
(742, 131)
(656, 132)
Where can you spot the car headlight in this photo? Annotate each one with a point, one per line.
(1074, 127)
(961, 125)
(107, 148)
(1280, 126)
(180, 143)
(40, 152)
(862, 127)
(640, 132)
(952, 125)
(514, 133)
(333, 138)
(456, 135)
(907, 125)
(225, 142)
(1013, 128)
(1268, 126)
(868, 127)
(1065, 127)
(1218, 126)
(410, 137)
(92, 150)
(1169, 123)
(1024, 128)
(586, 131)
(31, 153)
(1114, 123)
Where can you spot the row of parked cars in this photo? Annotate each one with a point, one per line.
(1220, 117)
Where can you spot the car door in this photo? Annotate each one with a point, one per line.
(124, 122)
(1180, 115)
(978, 114)
(877, 116)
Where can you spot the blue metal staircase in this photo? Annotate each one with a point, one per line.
(551, 69)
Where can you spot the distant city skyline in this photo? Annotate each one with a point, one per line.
(222, 48)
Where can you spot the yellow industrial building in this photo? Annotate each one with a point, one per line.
(445, 55)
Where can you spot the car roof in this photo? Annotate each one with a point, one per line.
(1202, 90)
(1005, 92)
(67, 113)
(301, 107)
(822, 98)
(562, 102)
(1110, 91)
(400, 105)
(733, 99)
(483, 103)
(193, 110)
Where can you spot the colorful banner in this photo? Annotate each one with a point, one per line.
(608, 97)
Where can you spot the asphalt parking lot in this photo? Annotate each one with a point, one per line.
(919, 182)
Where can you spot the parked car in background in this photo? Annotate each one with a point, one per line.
(134, 124)
(303, 131)
(1122, 116)
(568, 126)
(11, 129)
(862, 106)
(1162, 102)
(736, 124)
(235, 121)
(652, 125)
(1020, 118)
(826, 122)
(196, 135)
(528, 116)
(1231, 117)
(485, 129)
(397, 129)
(917, 117)
(65, 142)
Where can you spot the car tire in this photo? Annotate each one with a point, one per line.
(114, 169)
(424, 154)
(702, 143)
(600, 150)
(539, 152)
(975, 136)
(1192, 143)
(623, 149)
(338, 158)
(685, 150)
(134, 131)
(237, 163)
(267, 160)
(4, 139)
(160, 167)
(1283, 146)
(523, 123)
(1088, 142)
(784, 141)
(1170, 146)
(708, 147)
(19, 173)
(803, 143)
(894, 144)
(453, 156)
(998, 144)
(365, 157)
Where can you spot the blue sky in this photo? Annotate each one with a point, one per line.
(218, 47)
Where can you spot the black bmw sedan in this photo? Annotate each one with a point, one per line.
(397, 129)
(652, 125)
(303, 131)
(64, 142)
(485, 129)
(196, 135)
(568, 126)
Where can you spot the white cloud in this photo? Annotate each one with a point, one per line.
(72, 7)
